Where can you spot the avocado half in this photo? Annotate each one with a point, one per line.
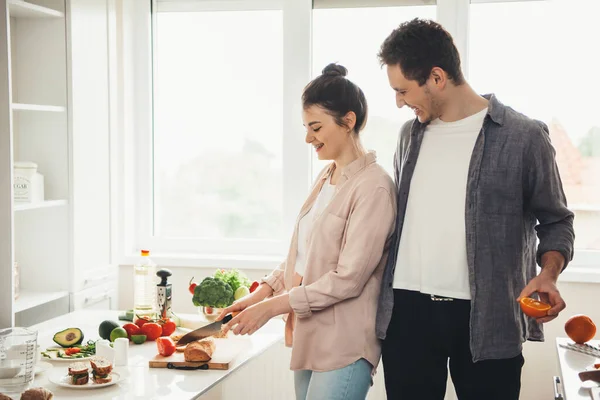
(69, 337)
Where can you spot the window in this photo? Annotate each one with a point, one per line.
(541, 66)
(217, 124)
(351, 37)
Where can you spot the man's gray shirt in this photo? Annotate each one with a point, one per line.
(513, 191)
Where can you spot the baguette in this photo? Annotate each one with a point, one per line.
(202, 350)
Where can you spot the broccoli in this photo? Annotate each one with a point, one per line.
(213, 292)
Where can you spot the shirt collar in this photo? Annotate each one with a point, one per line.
(354, 167)
(496, 110)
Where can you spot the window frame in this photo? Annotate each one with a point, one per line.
(133, 230)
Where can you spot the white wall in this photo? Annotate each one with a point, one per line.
(540, 358)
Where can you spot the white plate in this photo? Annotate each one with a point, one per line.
(42, 366)
(61, 379)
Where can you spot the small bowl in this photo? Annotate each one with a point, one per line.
(210, 313)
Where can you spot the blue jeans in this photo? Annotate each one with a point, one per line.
(348, 383)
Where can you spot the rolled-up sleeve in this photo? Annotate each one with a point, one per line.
(369, 229)
(547, 199)
(276, 279)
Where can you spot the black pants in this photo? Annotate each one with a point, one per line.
(422, 336)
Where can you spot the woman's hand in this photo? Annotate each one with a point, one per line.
(257, 296)
(254, 317)
(250, 320)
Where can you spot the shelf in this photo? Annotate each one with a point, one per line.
(37, 107)
(23, 9)
(29, 299)
(35, 206)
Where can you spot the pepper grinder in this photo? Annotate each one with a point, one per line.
(163, 294)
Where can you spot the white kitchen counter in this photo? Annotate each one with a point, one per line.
(141, 381)
(571, 364)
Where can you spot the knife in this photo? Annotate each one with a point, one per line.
(205, 331)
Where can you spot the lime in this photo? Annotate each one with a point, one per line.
(241, 292)
(138, 339)
(118, 333)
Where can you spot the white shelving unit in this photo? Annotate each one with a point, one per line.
(54, 111)
(39, 132)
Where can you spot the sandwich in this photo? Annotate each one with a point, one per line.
(79, 374)
(101, 369)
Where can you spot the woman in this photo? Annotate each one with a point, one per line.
(329, 284)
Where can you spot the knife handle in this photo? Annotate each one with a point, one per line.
(227, 318)
(173, 366)
(590, 376)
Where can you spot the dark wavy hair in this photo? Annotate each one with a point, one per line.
(337, 95)
(418, 46)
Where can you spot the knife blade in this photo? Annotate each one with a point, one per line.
(203, 332)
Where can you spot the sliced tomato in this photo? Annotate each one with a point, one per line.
(72, 350)
(165, 345)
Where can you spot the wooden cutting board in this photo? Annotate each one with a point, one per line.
(226, 351)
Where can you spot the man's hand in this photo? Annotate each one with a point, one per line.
(545, 285)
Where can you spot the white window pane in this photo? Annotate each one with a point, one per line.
(540, 58)
(352, 37)
(218, 124)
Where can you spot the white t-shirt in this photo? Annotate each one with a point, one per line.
(432, 255)
(306, 223)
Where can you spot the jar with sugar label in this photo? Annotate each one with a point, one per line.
(28, 184)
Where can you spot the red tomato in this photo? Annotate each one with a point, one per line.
(152, 330)
(192, 285)
(168, 327)
(141, 321)
(132, 329)
(254, 286)
(209, 310)
(166, 346)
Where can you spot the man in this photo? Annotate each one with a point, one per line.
(476, 181)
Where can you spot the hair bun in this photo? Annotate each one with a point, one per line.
(334, 69)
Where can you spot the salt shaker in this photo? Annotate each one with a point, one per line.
(121, 347)
(103, 349)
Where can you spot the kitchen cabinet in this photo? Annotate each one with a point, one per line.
(54, 112)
